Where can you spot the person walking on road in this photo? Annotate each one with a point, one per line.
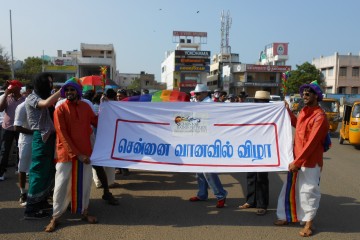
(304, 172)
(206, 180)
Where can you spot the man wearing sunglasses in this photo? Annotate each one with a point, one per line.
(311, 130)
(206, 180)
(72, 120)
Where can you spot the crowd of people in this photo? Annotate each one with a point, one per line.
(55, 130)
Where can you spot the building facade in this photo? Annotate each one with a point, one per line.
(232, 76)
(187, 65)
(340, 73)
(146, 81)
(81, 63)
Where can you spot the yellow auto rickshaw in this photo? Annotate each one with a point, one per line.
(350, 129)
(294, 103)
(331, 107)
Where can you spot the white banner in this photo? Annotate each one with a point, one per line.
(194, 137)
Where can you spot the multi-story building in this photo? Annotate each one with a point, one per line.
(228, 73)
(85, 62)
(188, 65)
(340, 73)
(147, 81)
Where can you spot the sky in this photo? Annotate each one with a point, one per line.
(141, 30)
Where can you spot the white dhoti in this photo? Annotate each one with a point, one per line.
(307, 195)
(63, 191)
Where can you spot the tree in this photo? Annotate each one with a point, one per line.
(31, 67)
(5, 69)
(304, 73)
(135, 84)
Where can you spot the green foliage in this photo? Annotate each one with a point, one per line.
(5, 69)
(304, 73)
(135, 84)
(31, 67)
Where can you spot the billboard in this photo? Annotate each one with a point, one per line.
(192, 54)
(267, 68)
(191, 68)
(189, 34)
(280, 49)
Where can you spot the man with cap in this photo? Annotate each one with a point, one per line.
(258, 182)
(206, 180)
(8, 103)
(72, 120)
(311, 130)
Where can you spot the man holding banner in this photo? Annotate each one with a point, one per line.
(206, 180)
(72, 121)
(300, 196)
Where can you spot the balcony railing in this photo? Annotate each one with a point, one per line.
(94, 61)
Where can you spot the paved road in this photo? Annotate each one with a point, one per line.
(154, 205)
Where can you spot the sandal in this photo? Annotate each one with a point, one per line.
(89, 219)
(261, 212)
(52, 225)
(245, 206)
(280, 222)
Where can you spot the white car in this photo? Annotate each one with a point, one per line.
(275, 98)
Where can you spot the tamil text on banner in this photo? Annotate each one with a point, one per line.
(194, 137)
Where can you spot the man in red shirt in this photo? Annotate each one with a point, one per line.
(311, 130)
(72, 121)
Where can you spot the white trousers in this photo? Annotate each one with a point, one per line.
(307, 195)
(62, 190)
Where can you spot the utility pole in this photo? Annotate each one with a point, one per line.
(12, 52)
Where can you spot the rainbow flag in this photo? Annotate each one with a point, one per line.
(290, 199)
(160, 96)
(77, 186)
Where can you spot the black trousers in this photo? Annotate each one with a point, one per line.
(257, 189)
(7, 140)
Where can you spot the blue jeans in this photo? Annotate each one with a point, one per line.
(206, 180)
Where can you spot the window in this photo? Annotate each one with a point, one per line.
(342, 90)
(330, 72)
(342, 72)
(323, 73)
(354, 90)
(355, 72)
(102, 52)
(147, 83)
(328, 90)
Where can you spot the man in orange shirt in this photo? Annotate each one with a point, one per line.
(72, 120)
(304, 172)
